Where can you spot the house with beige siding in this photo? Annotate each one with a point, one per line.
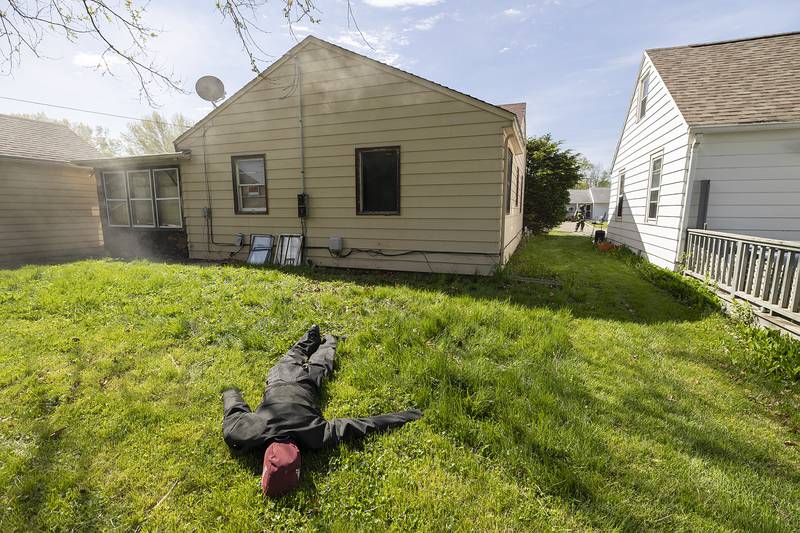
(411, 175)
(711, 140)
(394, 171)
(48, 206)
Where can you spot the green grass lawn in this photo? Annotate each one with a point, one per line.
(603, 403)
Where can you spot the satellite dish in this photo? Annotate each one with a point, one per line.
(210, 88)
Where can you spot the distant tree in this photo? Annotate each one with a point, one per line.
(550, 172)
(154, 134)
(593, 175)
(99, 137)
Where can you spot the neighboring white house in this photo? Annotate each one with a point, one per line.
(593, 201)
(711, 140)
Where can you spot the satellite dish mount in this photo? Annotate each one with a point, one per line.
(210, 88)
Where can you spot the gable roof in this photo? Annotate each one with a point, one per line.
(745, 81)
(498, 110)
(37, 139)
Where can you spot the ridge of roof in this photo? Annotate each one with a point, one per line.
(727, 41)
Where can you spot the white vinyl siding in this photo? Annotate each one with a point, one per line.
(662, 131)
(754, 184)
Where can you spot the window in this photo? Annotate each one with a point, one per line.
(519, 189)
(249, 184)
(644, 90)
(620, 194)
(509, 174)
(378, 181)
(143, 198)
(140, 191)
(168, 201)
(654, 188)
(116, 199)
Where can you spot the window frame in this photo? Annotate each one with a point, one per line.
(508, 179)
(131, 200)
(153, 198)
(620, 194)
(643, 96)
(359, 193)
(156, 197)
(237, 205)
(656, 155)
(107, 199)
(518, 188)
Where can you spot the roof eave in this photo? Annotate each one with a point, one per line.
(748, 126)
(127, 161)
(486, 106)
(39, 160)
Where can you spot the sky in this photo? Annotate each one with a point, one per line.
(573, 61)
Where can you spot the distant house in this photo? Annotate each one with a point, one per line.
(711, 140)
(49, 206)
(593, 201)
(374, 166)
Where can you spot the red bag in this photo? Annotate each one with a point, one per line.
(281, 472)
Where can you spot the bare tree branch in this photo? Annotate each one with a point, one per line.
(25, 23)
(119, 27)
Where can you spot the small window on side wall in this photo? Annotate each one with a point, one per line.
(378, 181)
(620, 194)
(644, 91)
(654, 189)
(509, 174)
(249, 184)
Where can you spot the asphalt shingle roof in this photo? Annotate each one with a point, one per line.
(580, 196)
(746, 81)
(600, 195)
(36, 139)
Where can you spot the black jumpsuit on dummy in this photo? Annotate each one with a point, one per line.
(289, 408)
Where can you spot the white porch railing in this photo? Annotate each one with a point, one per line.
(765, 272)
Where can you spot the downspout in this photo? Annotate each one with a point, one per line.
(302, 197)
(687, 191)
(503, 171)
(299, 77)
